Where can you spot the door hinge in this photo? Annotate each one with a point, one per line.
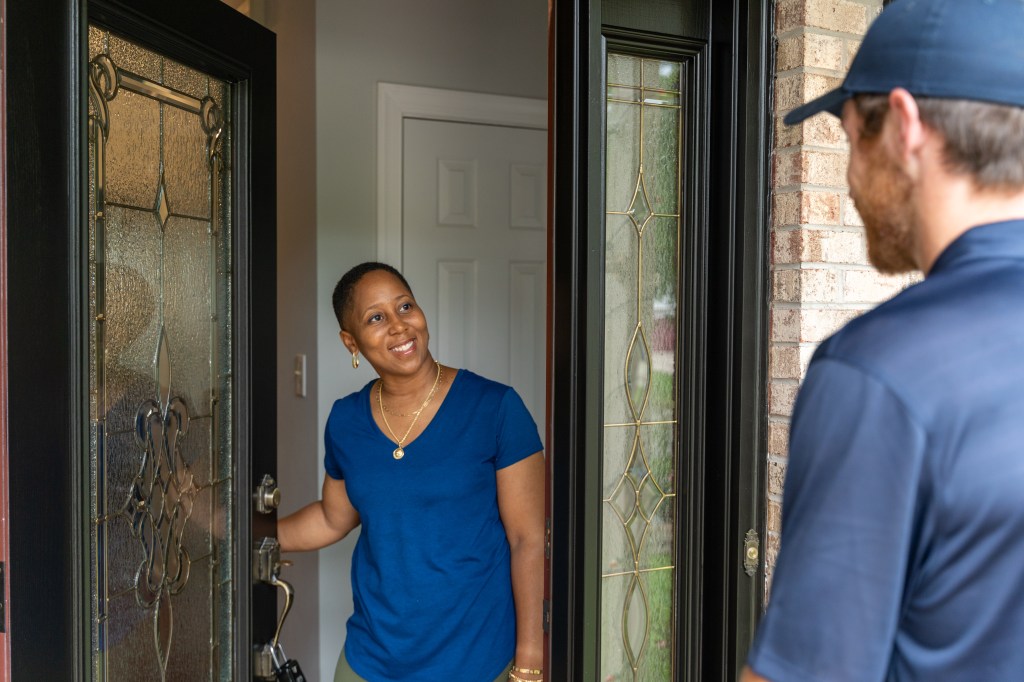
(546, 618)
(547, 537)
(751, 552)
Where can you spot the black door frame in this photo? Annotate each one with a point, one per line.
(47, 289)
(722, 603)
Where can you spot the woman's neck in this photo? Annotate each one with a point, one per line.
(401, 389)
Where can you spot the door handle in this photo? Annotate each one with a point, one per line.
(270, 662)
(289, 597)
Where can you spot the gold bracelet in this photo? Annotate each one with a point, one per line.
(527, 671)
(515, 678)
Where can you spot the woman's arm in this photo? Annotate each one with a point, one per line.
(321, 523)
(521, 505)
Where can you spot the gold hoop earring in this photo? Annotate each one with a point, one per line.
(355, 361)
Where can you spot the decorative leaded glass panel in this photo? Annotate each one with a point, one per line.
(160, 367)
(642, 275)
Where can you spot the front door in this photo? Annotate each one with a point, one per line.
(141, 335)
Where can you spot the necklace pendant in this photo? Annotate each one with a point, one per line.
(399, 453)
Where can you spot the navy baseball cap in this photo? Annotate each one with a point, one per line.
(956, 49)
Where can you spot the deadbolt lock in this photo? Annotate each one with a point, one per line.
(268, 495)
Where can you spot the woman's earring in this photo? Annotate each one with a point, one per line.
(355, 361)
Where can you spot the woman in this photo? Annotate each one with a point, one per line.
(444, 471)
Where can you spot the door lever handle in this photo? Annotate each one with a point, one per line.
(289, 597)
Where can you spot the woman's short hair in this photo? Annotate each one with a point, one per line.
(343, 291)
(982, 140)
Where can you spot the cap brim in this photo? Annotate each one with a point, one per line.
(832, 102)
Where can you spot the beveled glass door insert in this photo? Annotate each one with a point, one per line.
(161, 467)
(641, 427)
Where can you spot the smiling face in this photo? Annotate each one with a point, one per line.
(387, 326)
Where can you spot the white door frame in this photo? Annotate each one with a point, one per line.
(398, 102)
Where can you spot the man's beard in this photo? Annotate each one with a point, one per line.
(885, 203)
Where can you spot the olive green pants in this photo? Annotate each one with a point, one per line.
(343, 673)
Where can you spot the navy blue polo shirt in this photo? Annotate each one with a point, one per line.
(903, 524)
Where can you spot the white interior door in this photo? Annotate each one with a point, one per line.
(474, 246)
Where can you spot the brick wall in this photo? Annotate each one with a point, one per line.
(820, 274)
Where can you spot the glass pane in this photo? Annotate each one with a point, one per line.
(187, 310)
(659, 291)
(659, 443)
(186, 170)
(621, 264)
(617, 93)
(615, 663)
(131, 277)
(661, 158)
(623, 70)
(661, 75)
(97, 41)
(656, 552)
(618, 551)
(132, 154)
(659, 589)
(623, 162)
(162, 465)
(135, 59)
(184, 79)
(639, 462)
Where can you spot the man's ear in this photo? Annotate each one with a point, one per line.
(349, 341)
(904, 128)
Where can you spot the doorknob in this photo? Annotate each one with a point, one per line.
(268, 495)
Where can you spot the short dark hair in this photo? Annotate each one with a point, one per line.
(342, 297)
(982, 140)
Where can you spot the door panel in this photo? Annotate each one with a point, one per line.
(142, 336)
(162, 463)
(657, 319)
(474, 246)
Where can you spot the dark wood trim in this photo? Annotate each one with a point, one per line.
(549, 328)
(5, 641)
(737, 399)
(44, 435)
(575, 295)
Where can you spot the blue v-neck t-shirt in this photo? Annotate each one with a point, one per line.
(431, 577)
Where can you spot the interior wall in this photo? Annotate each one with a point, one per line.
(491, 47)
(294, 22)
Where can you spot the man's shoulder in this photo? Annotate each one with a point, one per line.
(887, 335)
(921, 335)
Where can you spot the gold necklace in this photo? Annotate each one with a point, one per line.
(399, 452)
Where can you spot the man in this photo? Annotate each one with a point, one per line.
(903, 526)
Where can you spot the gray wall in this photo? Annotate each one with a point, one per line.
(294, 22)
(490, 46)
